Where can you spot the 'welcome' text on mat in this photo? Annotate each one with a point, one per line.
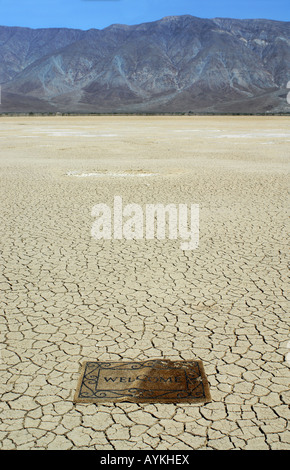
(159, 381)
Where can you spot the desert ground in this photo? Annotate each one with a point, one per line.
(67, 297)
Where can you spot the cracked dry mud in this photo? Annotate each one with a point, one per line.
(67, 298)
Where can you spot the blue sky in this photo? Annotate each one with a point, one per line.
(86, 14)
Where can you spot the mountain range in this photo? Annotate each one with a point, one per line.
(177, 64)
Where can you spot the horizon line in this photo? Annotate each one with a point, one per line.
(146, 22)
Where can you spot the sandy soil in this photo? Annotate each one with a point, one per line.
(67, 298)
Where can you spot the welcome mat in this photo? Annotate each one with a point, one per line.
(154, 381)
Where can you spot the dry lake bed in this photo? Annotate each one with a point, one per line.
(67, 298)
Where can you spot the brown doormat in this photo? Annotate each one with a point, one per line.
(155, 381)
